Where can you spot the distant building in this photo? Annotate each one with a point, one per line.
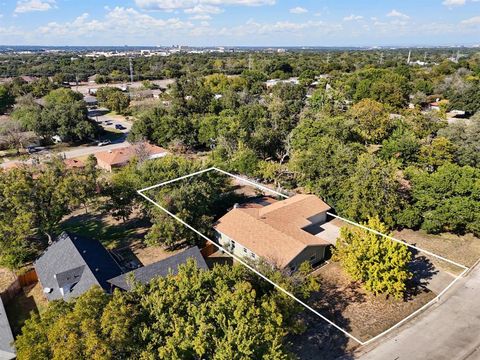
(74, 164)
(285, 233)
(72, 265)
(116, 158)
(159, 269)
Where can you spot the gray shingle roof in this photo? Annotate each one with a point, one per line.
(75, 264)
(160, 268)
(7, 351)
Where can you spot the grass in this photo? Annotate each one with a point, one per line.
(20, 308)
(463, 249)
(110, 232)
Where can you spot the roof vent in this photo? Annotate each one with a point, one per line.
(236, 205)
(47, 290)
(97, 269)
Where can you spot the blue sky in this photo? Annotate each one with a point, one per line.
(240, 22)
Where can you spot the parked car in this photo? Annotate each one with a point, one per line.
(108, 122)
(120, 127)
(32, 149)
(104, 142)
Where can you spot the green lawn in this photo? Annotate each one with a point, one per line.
(101, 227)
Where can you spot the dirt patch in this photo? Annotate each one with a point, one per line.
(348, 305)
(6, 278)
(462, 249)
(151, 254)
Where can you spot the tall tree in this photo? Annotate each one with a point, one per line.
(379, 263)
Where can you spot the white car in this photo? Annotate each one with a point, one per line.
(104, 142)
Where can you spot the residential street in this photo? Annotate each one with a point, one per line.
(450, 330)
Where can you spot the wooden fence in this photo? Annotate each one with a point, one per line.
(16, 286)
(208, 250)
(29, 278)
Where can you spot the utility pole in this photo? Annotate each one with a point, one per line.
(250, 62)
(425, 57)
(458, 56)
(131, 69)
(328, 58)
(381, 58)
(409, 56)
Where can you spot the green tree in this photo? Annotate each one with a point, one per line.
(6, 99)
(373, 190)
(113, 99)
(372, 120)
(174, 317)
(379, 263)
(438, 152)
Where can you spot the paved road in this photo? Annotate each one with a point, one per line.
(85, 150)
(450, 330)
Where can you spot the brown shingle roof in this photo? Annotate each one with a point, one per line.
(274, 232)
(121, 156)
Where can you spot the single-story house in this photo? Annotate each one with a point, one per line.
(72, 265)
(7, 351)
(90, 100)
(285, 233)
(110, 159)
(74, 164)
(160, 268)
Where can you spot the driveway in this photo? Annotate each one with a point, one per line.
(449, 330)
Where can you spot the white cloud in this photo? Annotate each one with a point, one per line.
(298, 10)
(24, 6)
(473, 21)
(119, 22)
(200, 17)
(168, 5)
(204, 9)
(452, 3)
(398, 14)
(353, 17)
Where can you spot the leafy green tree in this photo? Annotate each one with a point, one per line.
(6, 99)
(379, 263)
(445, 200)
(466, 140)
(403, 145)
(113, 99)
(373, 190)
(438, 152)
(174, 317)
(372, 120)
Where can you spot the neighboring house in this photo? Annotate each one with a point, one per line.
(90, 100)
(160, 268)
(72, 265)
(110, 159)
(7, 351)
(285, 233)
(74, 164)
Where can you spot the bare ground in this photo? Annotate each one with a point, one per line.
(6, 278)
(351, 307)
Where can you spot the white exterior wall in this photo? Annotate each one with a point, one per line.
(234, 247)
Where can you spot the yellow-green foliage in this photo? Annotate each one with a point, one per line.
(379, 263)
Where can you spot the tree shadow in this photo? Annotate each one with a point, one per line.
(19, 309)
(423, 271)
(320, 337)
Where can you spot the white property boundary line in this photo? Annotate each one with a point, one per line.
(465, 269)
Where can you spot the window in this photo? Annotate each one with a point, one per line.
(245, 250)
(253, 255)
(313, 257)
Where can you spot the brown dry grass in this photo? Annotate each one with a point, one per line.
(462, 249)
(354, 309)
(6, 278)
(31, 298)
